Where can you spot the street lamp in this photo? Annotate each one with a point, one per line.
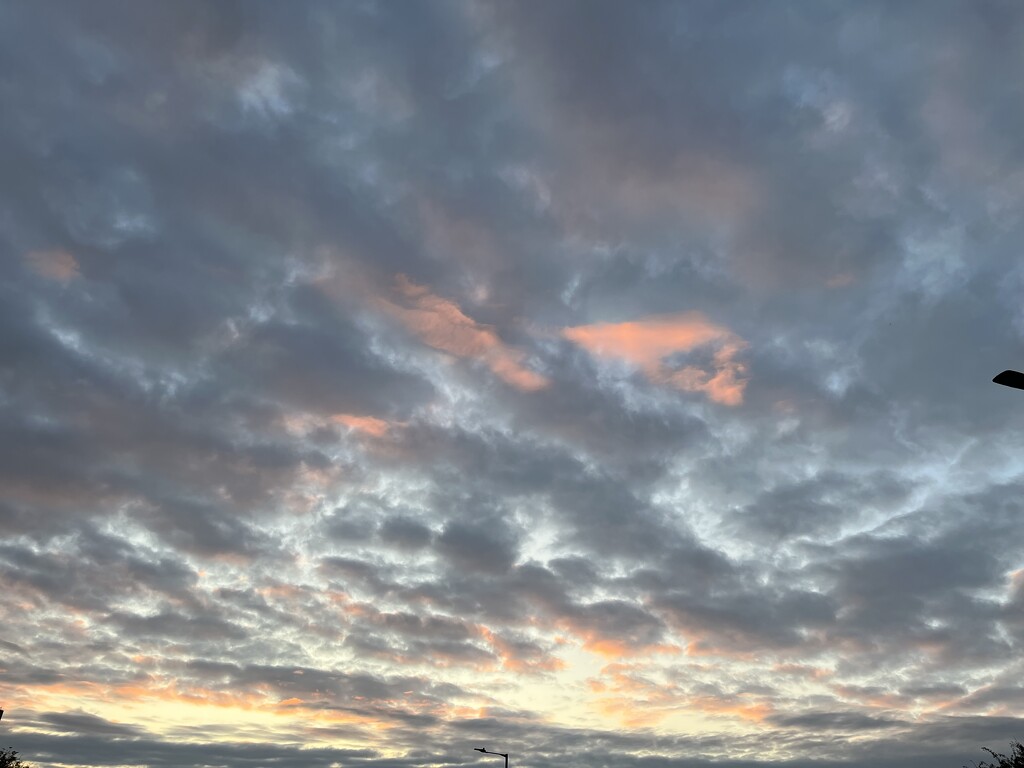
(1013, 379)
(500, 754)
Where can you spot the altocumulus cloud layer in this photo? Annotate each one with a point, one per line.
(597, 382)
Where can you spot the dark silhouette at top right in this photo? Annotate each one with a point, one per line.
(1013, 379)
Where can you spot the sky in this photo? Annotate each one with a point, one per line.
(601, 383)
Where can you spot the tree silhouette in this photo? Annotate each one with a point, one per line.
(1015, 759)
(9, 759)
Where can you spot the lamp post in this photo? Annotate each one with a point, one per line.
(1013, 379)
(500, 754)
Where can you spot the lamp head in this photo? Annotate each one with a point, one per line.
(1013, 379)
(478, 749)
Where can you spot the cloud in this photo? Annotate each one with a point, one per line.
(288, 457)
(441, 324)
(405, 532)
(54, 265)
(649, 343)
(321, 367)
(615, 628)
(369, 425)
(838, 721)
(476, 547)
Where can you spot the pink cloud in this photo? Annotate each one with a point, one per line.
(56, 265)
(368, 425)
(645, 344)
(441, 324)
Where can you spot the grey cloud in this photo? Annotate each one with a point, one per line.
(750, 619)
(405, 533)
(619, 621)
(439, 652)
(174, 626)
(821, 505)
(306, 681)
(100, 750)
(205, 528)
(362, 573)
(86, 724)
(12, 647)
(476, 547)
(412, 640)
(325, 370)
(438, 627)
(578, 411)
(104, 569)
(837, 721)
(926, 691)
(603, 513)
(1009, 696)
(355, 522)
(634, 126)
(891, 574)
(483, 595)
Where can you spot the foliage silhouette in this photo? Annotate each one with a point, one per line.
(9, 759)
(1014, 760)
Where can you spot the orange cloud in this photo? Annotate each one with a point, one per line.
(629, 697)
(645, 344)
(441, 324)
(300, 423)
(630, 713)
(56, 265)
(368, 425)
(803, 670)
(152, 689)
(740, 707)
(637, 700)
